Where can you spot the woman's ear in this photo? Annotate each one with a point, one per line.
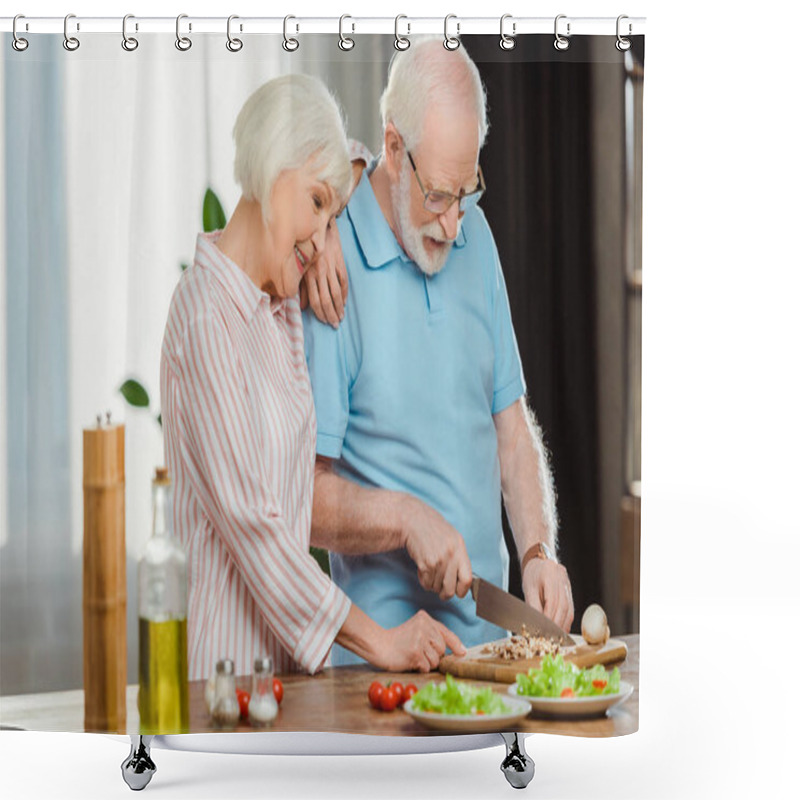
(394, 150)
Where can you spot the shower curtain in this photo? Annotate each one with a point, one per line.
(116, 157)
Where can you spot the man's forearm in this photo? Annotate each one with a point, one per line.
(354, 520)
(527, 484)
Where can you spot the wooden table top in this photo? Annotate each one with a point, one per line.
(335, 700)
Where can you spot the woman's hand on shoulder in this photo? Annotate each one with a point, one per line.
(324, 286)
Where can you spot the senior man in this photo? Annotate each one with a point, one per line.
(420, 398)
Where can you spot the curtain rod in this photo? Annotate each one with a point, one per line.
(456, 26)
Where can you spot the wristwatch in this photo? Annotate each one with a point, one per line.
(538, 550)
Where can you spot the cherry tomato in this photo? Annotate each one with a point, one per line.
(277, 690)
(376, 691)
(409, 692)
(397, 685)
(390, 698)
(568, 692)
(598, 684)
(244, 702)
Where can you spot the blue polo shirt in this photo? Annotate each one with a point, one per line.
(405, 392)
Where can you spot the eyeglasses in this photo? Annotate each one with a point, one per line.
(438, 202)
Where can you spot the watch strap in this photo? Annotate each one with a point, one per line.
(538, 550)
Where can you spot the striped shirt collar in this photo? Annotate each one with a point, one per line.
(244, 293)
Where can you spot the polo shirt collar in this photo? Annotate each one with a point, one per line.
(377, 240)
(245, 294)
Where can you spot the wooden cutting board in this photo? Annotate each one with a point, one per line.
(480, 666)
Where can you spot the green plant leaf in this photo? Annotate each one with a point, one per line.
(158, 420)
(135, 393)
(322, 559)
(213, 215)
(184, 267)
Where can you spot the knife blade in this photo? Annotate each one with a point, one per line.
(503, 609)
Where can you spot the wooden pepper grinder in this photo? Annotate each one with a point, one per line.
(105, 652)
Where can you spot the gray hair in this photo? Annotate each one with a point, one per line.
(282, 125)
(426, 75)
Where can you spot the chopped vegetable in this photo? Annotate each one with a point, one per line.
(557, 677)
(453, 697)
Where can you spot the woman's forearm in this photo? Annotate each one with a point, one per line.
(363, 636)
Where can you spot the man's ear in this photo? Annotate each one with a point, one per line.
(394, 150)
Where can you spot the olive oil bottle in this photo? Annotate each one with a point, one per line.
(163, 661)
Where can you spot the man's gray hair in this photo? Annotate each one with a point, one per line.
(424, 76)
(281, 126)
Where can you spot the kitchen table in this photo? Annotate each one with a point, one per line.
(334, 700)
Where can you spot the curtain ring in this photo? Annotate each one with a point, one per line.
(561, 42)
(623, 43)
(289, 44)
(129, 43)
(401, 42)
(234, 45)
(183, 43)
(70, 43)
(345, 42)
(19, 44)
(507, 42)
(451, 42)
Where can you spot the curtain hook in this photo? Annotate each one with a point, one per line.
(561, 42)
(290, 44)
(129, 43)
(401, 42)
(451, 42)
(622, 43)
(183, 43)
(345, 42)
(19, 44)
(507, 42)
(234, 45)
(70, 43)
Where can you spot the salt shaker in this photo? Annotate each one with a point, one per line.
(263, 705)
(225, 713)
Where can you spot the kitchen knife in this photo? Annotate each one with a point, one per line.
(507, 611)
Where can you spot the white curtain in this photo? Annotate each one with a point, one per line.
(108, 155)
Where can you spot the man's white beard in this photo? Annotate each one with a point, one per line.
(411, 238)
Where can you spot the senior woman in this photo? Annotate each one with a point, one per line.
(238, 412)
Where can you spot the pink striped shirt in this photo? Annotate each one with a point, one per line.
(239, 432)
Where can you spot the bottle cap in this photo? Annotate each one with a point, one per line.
(263, 664)
(225, 666)
(162, 477)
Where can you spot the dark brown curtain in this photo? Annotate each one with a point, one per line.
(537, 163)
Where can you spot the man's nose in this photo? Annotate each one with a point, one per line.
(449, 221)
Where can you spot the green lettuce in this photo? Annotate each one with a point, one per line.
(454, 697)
(556, 675)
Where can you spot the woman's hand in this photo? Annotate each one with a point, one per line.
(324, 286)
(417, 645)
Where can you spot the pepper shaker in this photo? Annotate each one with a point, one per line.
(225, 712)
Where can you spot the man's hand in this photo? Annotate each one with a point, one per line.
(437, 549)
(547, 588)
(417, 644)
(324, 286)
